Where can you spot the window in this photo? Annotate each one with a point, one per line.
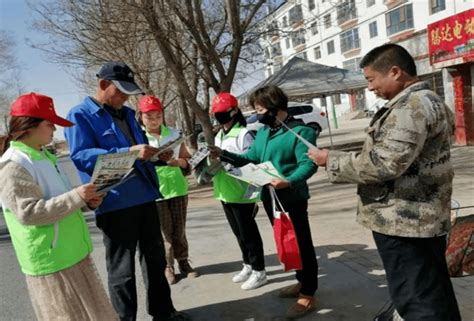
(285, 22)
(287, 43)
(352, 64)
(399, 19)
(330, 45)
(311, 5)
(346, 11)
(273, 29)
(350, 40)
(276, 49)
(370, 3)
(437, 5)
(314, 28)
(296, 14)
(327, 21)
(373, 29)
(317, 52)
(299, 110)
(436, 82)
(297, 37)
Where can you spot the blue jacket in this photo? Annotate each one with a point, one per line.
(95, 133)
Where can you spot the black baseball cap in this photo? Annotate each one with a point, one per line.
(121, 76)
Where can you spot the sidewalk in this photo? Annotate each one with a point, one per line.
(350, 134)
(352, 283)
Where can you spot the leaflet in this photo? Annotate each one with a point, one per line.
(256, 174)
(198, 157)
(169, 146)
(112, 170)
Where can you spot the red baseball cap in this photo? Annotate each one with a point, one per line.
(224, 102)
(148, 103)
(38, 106)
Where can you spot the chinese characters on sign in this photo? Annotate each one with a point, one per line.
(452, 37)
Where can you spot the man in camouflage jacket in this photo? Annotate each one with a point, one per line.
(404, 176)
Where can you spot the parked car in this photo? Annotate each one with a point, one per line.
(308, 113)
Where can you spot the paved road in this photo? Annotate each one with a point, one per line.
(352, 284)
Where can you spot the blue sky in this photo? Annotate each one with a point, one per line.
(38, 74)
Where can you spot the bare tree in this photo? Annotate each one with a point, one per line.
(10, 78)
(84, 34)
(199, 43)
(219, 31)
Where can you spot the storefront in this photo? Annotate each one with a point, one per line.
(451, 49)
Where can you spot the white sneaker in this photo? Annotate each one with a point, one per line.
(256, 279)
(242, 275)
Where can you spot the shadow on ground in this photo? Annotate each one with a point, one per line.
(339, 297)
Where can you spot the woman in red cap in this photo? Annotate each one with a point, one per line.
(173, 203)
(238, 207)
(44, 218)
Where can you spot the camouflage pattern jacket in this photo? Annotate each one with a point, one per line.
(404, 173)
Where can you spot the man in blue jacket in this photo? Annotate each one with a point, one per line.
(128, 216)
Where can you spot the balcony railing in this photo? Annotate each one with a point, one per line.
(345, 15)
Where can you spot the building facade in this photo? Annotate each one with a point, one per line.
(340, 33)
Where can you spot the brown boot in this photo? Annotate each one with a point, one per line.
(169, 273)
(186, 269)
(291, 291)
(304, 305)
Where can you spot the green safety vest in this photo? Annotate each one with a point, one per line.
(45, 249)
(171, 179)
(227, 188)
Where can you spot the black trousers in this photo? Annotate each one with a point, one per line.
(242, 222)
(298, 212)
(417, 276)
(123, 231)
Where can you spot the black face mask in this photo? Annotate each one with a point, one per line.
(224, 118)
(266, 118)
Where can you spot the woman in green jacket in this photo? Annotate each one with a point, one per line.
(44, 218)
(288, 154)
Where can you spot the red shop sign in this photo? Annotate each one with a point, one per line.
(452, 37)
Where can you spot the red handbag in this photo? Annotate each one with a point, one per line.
(460, 247)
(285, 237)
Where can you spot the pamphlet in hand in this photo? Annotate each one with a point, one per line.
(305, 141)
(198, 157)
(169, 146)
(258, 175)
(112, 170)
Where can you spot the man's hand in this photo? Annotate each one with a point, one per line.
(320, 156)
(214, 151)
(88, 192)
(166, 156)
(145, 152)
(279, 183)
